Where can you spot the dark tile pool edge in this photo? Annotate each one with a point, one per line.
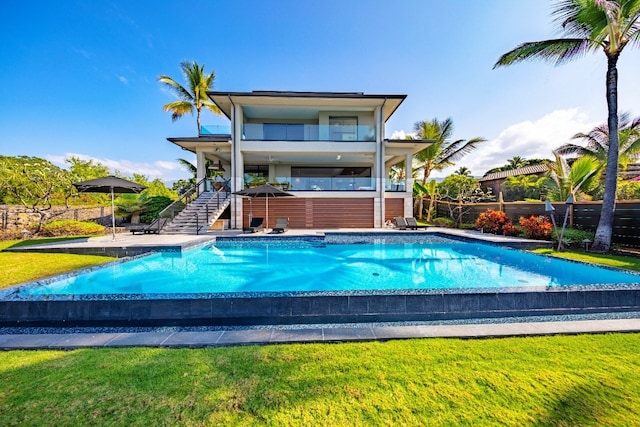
(287, 310)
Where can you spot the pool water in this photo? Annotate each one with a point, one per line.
(309, 266)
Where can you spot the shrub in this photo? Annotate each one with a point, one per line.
(536, 227)
(573, 237)
(153, 206)
(511, 230)
(443, 222)
(492, 221)
(70, 227)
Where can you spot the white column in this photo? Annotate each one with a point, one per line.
(380, 171)
(201, 168)
(408, 198)
(237, 165)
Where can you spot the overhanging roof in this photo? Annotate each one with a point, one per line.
(346, 100)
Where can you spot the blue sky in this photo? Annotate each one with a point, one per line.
(80, 77)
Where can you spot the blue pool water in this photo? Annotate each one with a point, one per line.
(307, 266)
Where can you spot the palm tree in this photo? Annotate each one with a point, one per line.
(194, 96)
(576, 179)
(516, 162)
(443, 152)
(463, 170)
(597, 142)
(590, 25)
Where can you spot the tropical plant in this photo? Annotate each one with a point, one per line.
(597, 142)
(443, 152)
(194, 96)
(516, 162)
(590, 25)
(523, 187)
(577, 179)
(492, 221)
(536, 227)
(463, 170)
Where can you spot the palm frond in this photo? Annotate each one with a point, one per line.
(558, 51)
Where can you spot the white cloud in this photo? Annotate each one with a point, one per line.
(165, 170)
(530, 140)
(123, 80)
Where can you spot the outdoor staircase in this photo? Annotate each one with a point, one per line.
(198, 215)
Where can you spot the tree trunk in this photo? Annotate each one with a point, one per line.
(602, 241)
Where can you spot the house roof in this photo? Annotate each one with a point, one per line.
(301, 100)
(527, 170)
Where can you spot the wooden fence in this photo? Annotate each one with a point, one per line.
(585, 215)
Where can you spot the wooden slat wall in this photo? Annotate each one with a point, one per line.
(314, 213)
(626, 224)
(393, 208)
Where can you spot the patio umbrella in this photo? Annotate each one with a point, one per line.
(266, 191)
(109, 184)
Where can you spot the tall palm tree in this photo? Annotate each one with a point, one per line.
(597, 142)
(443, 152)
(590, 25)
(194, 96)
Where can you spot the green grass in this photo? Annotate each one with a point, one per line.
(535, 381)
(630, 263)
(19, 267)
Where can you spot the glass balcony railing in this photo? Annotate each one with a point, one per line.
(307, 132)
(215, 130)
(327, 183)
(316, 183)
(394, 184)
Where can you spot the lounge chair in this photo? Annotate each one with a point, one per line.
(411, 223)
(282, 225)
(150, 228)
(400, 223)
(254, 227)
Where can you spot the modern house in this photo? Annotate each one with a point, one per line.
(327, 149)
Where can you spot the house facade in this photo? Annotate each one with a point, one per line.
(327, 149)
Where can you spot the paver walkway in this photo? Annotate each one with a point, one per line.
(168, 338)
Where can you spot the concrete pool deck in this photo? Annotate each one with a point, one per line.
(168, 338)
(126, 244)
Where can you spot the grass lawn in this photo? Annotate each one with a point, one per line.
(18, 267)
(630, 263)
(534, 381)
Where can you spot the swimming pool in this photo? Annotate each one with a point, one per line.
(324, 280)
(307, 266)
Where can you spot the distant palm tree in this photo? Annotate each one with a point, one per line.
(597, 142)
(591, 25)
(463, 170)
(443, 152)
(194, 96)
(517, 162)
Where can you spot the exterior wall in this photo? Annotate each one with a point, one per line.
(306, 212)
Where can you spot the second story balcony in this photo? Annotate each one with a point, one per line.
(308, 132)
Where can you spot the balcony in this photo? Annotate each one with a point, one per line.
(307, 132)
(327, 183)
(215, 130)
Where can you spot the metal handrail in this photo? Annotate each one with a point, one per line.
(207, 184)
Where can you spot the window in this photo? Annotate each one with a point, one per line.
(343, 128)
(283, 131)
